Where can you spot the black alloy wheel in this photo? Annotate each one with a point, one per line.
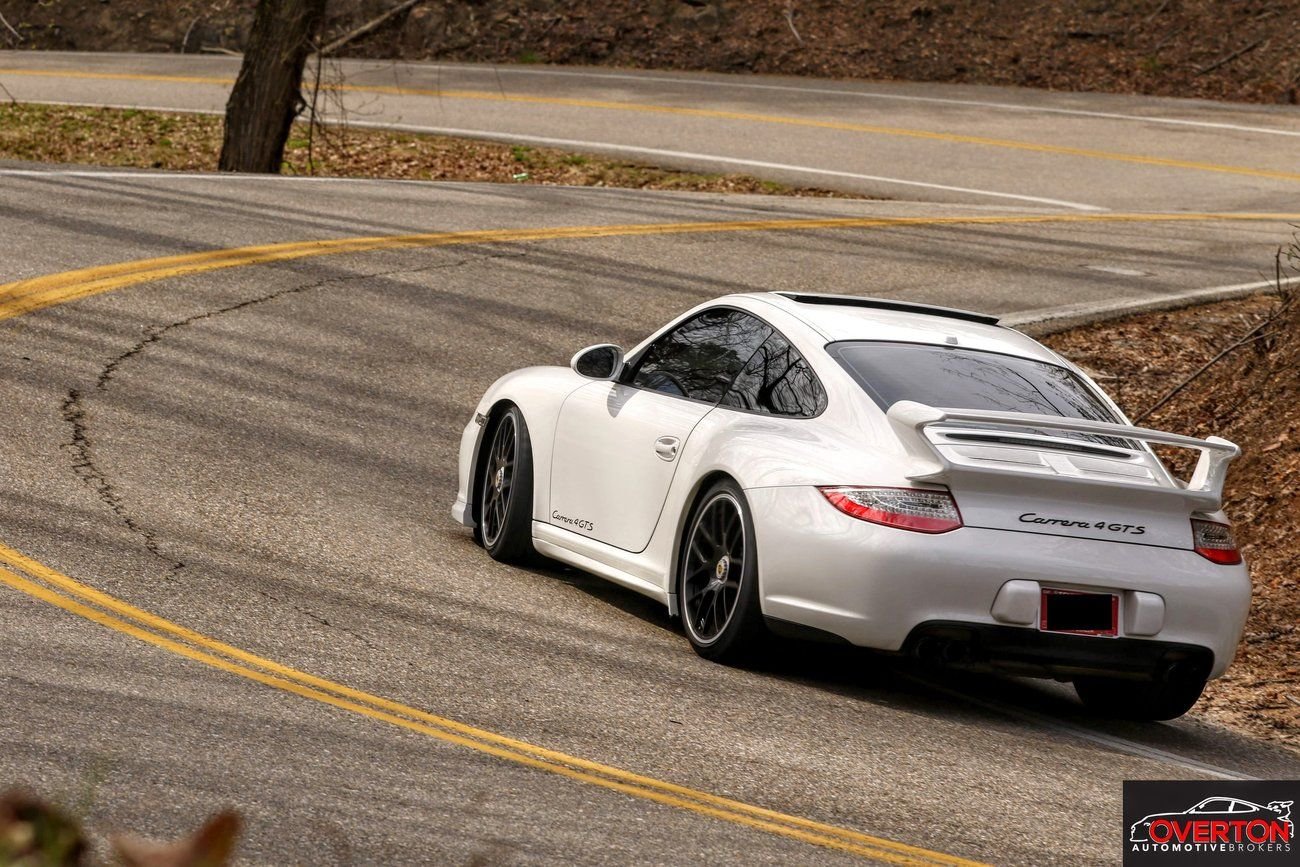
(506, 491)
(718, 578)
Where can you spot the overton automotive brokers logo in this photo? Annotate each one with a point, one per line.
(1205, 822)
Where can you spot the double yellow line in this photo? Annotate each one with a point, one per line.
(28, 576)
(712, 114)
(50, 586)
(25, 296)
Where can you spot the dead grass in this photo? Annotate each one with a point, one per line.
(191, 142)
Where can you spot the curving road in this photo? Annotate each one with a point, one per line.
(228, 445)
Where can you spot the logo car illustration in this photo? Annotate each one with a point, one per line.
(1233, 818)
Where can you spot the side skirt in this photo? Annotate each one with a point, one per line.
(598, 559)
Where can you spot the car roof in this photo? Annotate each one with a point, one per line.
(851, 317)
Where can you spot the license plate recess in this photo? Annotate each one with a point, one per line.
(1079, 612)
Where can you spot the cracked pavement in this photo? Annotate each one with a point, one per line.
(288, 432)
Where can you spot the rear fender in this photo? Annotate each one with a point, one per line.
(756, 452)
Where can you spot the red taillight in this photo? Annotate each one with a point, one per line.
(906, 508)
(1214, 542)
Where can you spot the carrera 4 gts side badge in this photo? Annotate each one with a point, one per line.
(579, 523)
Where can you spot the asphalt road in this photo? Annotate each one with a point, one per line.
(264, 454)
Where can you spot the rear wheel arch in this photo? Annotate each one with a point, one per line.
(731, 628)
(689, 505)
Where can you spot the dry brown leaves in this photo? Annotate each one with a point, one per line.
(1250, 398)
(1244, 51)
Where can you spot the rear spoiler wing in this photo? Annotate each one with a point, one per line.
(909, 420)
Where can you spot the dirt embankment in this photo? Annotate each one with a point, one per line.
(1252, 397)
(1246, 50)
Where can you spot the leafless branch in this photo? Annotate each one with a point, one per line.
(1254, 335)
(1259, 333)
(185, 41)
(313, 119)
(789, 19)
(1233, 56)
(10, 28)
(369, 26)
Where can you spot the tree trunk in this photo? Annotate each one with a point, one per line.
(267, 96)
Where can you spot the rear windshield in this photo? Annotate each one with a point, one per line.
(956, 378)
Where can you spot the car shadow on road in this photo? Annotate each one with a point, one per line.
(1045, 706)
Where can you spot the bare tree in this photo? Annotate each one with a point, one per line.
(267, 96)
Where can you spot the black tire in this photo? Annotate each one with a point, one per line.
(717, 577)
(1136, 700)
(505, 490)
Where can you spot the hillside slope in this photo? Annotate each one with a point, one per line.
(1219, 49)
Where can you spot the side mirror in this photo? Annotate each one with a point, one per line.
(602, 361)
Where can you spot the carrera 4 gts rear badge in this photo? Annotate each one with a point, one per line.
(1130, 529)
(1206, 822)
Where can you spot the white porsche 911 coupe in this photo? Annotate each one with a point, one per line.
(903, 477)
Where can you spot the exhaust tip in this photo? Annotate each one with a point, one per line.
(929, 649)
(956, 652)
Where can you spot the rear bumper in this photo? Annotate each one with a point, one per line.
(874, 586)
(1032, 653)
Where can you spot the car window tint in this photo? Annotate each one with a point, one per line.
(777, 380)
(699, 358)
(967, 379)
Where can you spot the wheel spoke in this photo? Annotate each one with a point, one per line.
(703, 609)
(692, 593)
(729, 599)
(730, 525)
(697, 550)
(699, 570)
(719, 526)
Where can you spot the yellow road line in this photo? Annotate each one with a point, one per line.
(28, 295)
(124, 618)
(25, 296)
(716, 114)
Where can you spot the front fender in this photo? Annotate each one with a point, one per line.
(538, 392)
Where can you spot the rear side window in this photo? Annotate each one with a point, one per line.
(699, 358)
(967, 379)
(778, 381)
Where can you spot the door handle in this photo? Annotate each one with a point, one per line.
(666, 447)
